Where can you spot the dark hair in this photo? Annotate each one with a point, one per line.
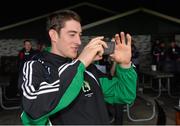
(27, 40)
(56, 21)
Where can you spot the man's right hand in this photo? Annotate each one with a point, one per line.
(93, 51)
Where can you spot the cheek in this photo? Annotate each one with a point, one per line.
(64, 46)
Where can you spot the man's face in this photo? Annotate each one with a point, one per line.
(27, 46)
(69, 40)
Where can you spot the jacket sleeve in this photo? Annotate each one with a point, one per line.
(121, 88)
(43, 98)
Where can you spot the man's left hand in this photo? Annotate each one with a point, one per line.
(122, 53)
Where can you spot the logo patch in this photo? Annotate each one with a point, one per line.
(87, 89)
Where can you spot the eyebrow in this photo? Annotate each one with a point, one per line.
(72, 31)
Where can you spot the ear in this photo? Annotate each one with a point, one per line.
(53, 35)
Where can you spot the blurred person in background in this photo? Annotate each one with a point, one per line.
(25, 54)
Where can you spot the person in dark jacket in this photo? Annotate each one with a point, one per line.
(63, 87)
(25, 54)
(173, 52)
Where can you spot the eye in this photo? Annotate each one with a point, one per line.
(72, 35)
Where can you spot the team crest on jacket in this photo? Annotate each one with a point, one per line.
(87, 89)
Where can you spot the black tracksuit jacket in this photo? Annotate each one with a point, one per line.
(57, 90)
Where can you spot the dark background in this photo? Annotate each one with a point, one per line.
(15, 11)
(16, 17)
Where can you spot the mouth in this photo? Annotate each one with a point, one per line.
(75, 49)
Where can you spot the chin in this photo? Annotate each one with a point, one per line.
(73, 56)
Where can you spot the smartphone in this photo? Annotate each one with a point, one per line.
(110, 49)
(107, 51)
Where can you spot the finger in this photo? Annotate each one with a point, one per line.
(97, 38)
(113, 39)
(103, 43)
(112, 56)
(129, 39)
(112, 59)
(98, 58)
(97, 41)
(94, 41)
(123, 38)
(100, 50)
(117, 38)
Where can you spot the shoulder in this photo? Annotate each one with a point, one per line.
(21, 51)
(38, 56)
(33, 64)
(41, 59)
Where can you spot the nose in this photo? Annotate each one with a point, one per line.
(78, 40)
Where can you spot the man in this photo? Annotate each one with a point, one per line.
(63, 87)
(25, 54)
(173, 52)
